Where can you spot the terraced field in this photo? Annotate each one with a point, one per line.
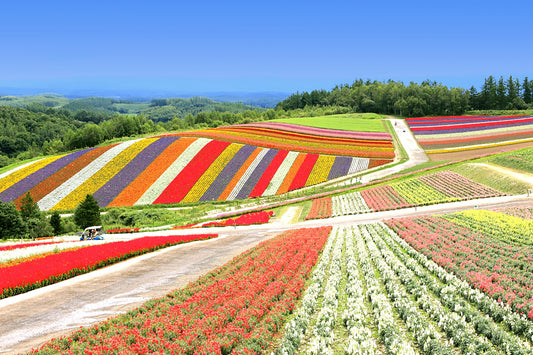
(223, 164)
(470, 135)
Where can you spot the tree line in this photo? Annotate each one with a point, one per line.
(413, 100)
(38, 130)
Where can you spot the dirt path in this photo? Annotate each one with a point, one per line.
(30, 319)
(514, 174)
(408, 140)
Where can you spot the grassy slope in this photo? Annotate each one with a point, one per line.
(347, 122)
(490, 178)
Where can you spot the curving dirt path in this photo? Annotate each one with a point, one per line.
(30, 319)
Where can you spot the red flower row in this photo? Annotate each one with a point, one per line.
(321, 208)
(123, 230)
(244, 220)
(61, 266)
(238, 308)
(500, 268)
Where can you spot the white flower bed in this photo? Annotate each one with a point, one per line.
(348, 204)
(358, 164)
(416, 306)
(474, 305)
(323, 337)
(280, 174)
(50, 200)
(247, 173)
(297, 326)
(8, 255)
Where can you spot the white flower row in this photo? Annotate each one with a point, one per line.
(157, 188)
(247, 173)
(358, 164)
(360, 340)
(297, 326)
(280, 174)
(459, 316)
(400, 284)
(395, 341)
(322, 332)
(460, 296)
(54, 197)
(20, 253)
(347, 204)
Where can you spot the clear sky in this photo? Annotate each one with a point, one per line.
(260, 45)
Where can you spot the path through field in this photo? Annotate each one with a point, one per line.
(31, 319)
(515, 174)
(415, 153)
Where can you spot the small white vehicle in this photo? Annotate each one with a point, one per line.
(93, 233)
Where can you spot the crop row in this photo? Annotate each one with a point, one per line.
(38, 272)
(316, 131)
(371, 293)
(172, 170)
(441, 133)
(237, 308)
(487, 254)
(444, 186)
(274, 138)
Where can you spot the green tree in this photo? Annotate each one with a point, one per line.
(29, 208)
(501, 95)
(11, 223)
(527, 87)
(55, 222)
(36, 224)
(87, 213)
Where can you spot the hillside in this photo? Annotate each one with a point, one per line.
(163, 109)
(227, 163)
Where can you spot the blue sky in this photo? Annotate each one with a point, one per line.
(206, 46)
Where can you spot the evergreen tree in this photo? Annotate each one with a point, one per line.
(488, 94)
(474, 98)
(527, 87)
(11, 223)
(55, 222)
(501, 94)
(87, 213)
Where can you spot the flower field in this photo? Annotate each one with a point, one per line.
(247, 219)
(490, 250)
(454, 284)
(372, 293)
(194, 166)
(238, 308)
(444, 186)
(450, 134)
(286, 136)
(79, 258)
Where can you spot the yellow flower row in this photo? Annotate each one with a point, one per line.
(201, 186)
(478, 146)
(18, 175)
(321, 170)
(102, 176)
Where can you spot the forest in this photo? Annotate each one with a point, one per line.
(415, 100)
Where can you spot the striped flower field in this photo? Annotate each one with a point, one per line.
(456, 133)
(194, 166)
(441, 187)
